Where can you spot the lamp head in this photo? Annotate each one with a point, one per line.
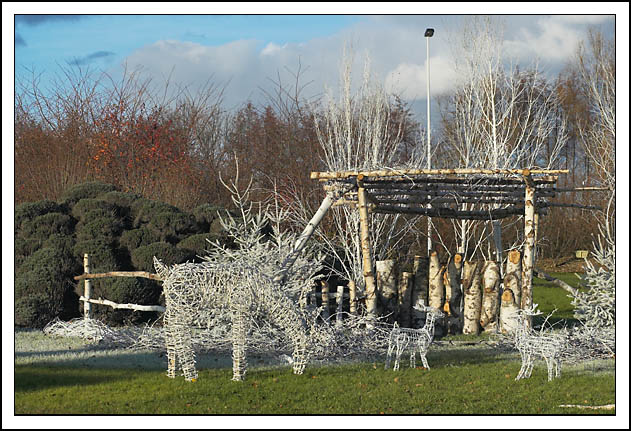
(429, 32)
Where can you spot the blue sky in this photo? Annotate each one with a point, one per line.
(247, 52)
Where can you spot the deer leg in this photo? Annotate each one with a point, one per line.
(389, 355)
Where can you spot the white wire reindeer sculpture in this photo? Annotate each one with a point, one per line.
(413, 339)
(532, 344)
(245, 284)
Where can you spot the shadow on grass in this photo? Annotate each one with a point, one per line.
(29, 378)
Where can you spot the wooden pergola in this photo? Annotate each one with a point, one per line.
(441, 193)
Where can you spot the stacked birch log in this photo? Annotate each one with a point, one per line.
(473, 294)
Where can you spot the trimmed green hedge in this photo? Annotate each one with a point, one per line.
(85, 191)
(43, 226)
(107, 228)
(142, 257)
(29, 210)
(85, 209)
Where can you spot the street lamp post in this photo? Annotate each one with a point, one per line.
(428, 33)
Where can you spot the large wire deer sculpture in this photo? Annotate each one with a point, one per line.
(402, 339)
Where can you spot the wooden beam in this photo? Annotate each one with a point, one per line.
(404, 172)
(142, 274)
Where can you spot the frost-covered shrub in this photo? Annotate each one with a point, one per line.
(43, 226)
(142, 257)
(29, 210)
(134, 238)
(596, 306)
(85, 191)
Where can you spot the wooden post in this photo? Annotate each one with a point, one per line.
(339, 299)
(419, 293)
(405, 297)
(87, 291)
(325, 299)
(529, 245)
(352, 295)
(369, 278)
(387, 288)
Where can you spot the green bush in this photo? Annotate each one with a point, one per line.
(125, 290)
(142, 257)
(47, 275)
(102, 255)
(105, 228)
(43, 226)
(205, 214)
(24, 247)
(124, 201)
(89, 208)
(29, 210)
(85, 191)
(132, 239)
(172, 226)
(199, 242)
(32, 311)
(144, 210)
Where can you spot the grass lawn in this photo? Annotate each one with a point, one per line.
(469, 380)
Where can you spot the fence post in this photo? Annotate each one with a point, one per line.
(87, 293)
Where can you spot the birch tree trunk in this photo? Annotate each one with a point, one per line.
(436, 282)
(352, 297)
(420, 290)
(508, 313)
(471, 284)
(529, 248)
(387, 288)
(436, 289)
(405, 297)
(325, 299)
(455, 319)
(512, 279)
(491, 284)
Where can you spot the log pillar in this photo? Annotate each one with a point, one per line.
(420, 291)
(405, 298)
(387, 274)
(364, 236)
(529, 244)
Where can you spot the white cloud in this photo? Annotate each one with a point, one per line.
(395, 45)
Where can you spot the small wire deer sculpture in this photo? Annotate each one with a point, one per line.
(532, 344)
(413, 339)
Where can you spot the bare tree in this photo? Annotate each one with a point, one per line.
(500, 117)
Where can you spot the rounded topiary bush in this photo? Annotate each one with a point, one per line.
(32, 311)
(85, 191)
(106, 228)
(126, 290)
(29, 210)
(199, 243)
(24, 247)
(205, 214)
(143, 210)
(90, 208)
(122, 200)
(142, 257)
(48, 275)
(172, 226)
(43, 226)
(132, 239)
